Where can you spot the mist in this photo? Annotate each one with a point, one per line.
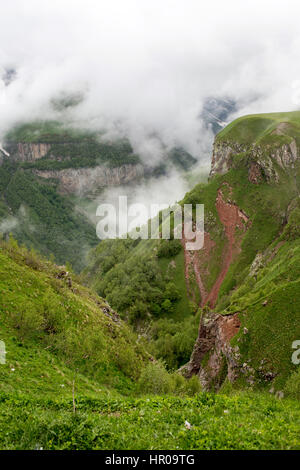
(143, 70)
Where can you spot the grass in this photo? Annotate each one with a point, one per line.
(57, 335)
(67, 321)
(218, 422)
(259, 128)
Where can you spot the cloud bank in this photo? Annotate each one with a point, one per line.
(145, 68)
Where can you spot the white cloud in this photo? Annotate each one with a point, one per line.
(145, 67)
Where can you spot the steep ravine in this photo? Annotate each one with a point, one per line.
(233, 219)
(216, 331)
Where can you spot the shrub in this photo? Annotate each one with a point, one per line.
(167, 306)
(27, 320)
(193, 386)
(155, 379)
(138, 311)
(33, 260)
(53, 312)
(168, 248)
(172, 293)
(172, 341)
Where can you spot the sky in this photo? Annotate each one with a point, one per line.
(144, 68)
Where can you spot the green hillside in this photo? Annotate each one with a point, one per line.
(263, 128)
(97, 367)
(255, 275)
(36, 214)
(76, 377)
(36, 210)
(44, 306)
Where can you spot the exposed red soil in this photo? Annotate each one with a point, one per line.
(232, 218)
(229, 326)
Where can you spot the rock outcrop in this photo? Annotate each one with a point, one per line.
(86, 180)
(222, 156)
(213, 359)
(263, 160)
(74, 180)
(28, 152)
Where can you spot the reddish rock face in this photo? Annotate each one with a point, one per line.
(229, 327)
(213, 340)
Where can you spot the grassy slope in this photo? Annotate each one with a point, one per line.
(218, 422)
(259, 128)
(41, 312)
(54, 335)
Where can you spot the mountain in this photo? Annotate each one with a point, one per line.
(7, 75)
(245, 282)
(216, 111)
(49, 173)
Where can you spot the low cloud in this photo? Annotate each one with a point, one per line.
(144, 69)
(8, 224)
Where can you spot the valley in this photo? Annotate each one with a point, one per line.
(121, 350)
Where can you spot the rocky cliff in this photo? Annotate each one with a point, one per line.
(88, 180)
(213, 358)
(81, 176)
(263, 160)
(27, 152)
